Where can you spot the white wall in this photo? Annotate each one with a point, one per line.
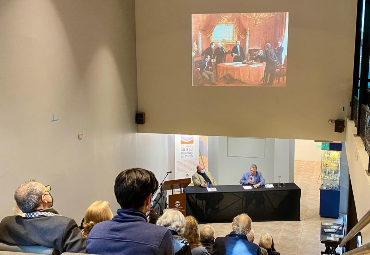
(228, 170)
(74, 59)
(307, 150)
(156, 152)
(358, 161)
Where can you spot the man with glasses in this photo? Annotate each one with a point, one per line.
(41, 225)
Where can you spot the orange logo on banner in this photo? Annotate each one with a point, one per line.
(187, 139)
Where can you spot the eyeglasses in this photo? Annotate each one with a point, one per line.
(47, 188)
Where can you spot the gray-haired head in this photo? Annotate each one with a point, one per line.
(28, 196)
(242, 224)
(268, 45)
(172, 219)
(207, 233)
(254, 166)
(265, 241)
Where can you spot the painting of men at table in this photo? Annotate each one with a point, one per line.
(240, 49)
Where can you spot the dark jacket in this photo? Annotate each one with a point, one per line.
(208, 52)
(234, 244)
(129, 233)
(272, 252)
(201, 64)
(271, 60)
(208, 245)
(58, 232)
(239, 57)
(219, 55)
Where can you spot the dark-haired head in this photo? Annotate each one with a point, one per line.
(133, 187)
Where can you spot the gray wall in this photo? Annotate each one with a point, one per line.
(278, 160)
(344, 181)
(320, 65)
(74, 59)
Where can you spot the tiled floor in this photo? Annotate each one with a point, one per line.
(294, 237)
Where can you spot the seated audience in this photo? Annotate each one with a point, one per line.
(192, 235)
(174, 220)
(129, 232)
(266, 242)
(207, 237)
(41, 224)
(236, 242)
(152, 216)
(250, 236)
(97, 212)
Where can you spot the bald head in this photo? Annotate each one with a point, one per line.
(207, 234)
(28, 196)
(242, 224)
(200, 167)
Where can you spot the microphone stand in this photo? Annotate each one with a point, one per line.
(161, 194)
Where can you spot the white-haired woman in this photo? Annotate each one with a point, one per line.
(175, 221)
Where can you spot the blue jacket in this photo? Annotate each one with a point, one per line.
(257, 178)
(129, 233)
(234, 244)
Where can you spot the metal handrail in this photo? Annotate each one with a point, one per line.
(357, 228)
(360, 250)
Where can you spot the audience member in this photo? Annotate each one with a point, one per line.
(152, 217)
(202, 177)
(174, 220)
(266, 242)
(97, 212)
(250, 236)
(236, 242)
(192, 235)
(207, 237)
(41, 224)
(129, 231)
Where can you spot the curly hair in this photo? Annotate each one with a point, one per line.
(191, 232)
(173, 220)
(97, 212)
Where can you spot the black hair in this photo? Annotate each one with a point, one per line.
(133, 186)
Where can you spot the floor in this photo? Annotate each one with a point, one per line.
(294, 237)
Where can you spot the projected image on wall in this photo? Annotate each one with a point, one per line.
(240, 49)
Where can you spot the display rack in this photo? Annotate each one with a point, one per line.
(330, 176)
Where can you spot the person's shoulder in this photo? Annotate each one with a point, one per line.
(200, 250)
(220, 239)
(9, 219)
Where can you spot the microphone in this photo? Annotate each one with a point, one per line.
(169, 172)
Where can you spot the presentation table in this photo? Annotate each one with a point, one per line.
(261, 204)
(250, 74)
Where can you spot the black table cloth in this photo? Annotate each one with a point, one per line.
(262, 204)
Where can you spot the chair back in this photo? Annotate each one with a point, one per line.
(35, 249)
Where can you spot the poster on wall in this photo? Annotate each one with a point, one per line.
(186, 155)
(240, 49)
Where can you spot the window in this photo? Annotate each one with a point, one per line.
(223, 32)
